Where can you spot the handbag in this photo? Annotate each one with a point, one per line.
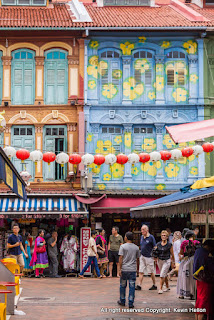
(41, 249)
(99, 251)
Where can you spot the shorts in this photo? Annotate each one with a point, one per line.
(146, 264)
(113, 256)
(19, 259)
(164, 266)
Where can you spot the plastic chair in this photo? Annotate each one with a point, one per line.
(3, 305)
(9, 260)
(15, 269)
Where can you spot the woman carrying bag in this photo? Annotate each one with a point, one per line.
(39, 260)
(102, 259)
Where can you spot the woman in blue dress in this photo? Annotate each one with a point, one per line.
(27, 267)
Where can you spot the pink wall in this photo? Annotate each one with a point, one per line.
(81, 136)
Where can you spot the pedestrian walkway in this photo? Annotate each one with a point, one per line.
(95, 299)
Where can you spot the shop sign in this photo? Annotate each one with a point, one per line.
(211, 219)
(85, 234)
(198, 218)
(22, 221)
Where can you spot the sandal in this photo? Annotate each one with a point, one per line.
(80, 276)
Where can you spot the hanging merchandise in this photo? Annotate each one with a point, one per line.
(62, 158)
(49, 157)
(155, 156)
(197, 150)
(110, 159)
(36, 156)
(75, 158)
(187, 152)
(22, 154)
(165, 155)
(99, 159)
(144, 157)
(176, 154)
(122, 158)
(10, 151)
(208, 147)
(87, 159)
(133, 158)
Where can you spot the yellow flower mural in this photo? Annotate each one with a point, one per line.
(127, 48)
(101, 186)
(193, 78)
(92, 84)
(95, 168)
(117, 170)
(95, 68)
(89, 137)
(159, 67)
(172, 170)
(151, 95)
(94, 60)
(117, 74)
(106, 177)
(168, 143)
(118, 139)
(131, 90)
(190, 46)
(109, 91)
(193, 171)
(185, 160)
(166, 44)
(134, 171)
(104, 147)
(142, 65)
(149, 144)
(159, 84)
(151, 167)
(128, 139)
(180, 95)
(160, 187)
(142, 39)
(93, 44)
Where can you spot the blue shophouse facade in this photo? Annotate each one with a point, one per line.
(135, 85)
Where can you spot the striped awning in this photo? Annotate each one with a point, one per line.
(42, 205)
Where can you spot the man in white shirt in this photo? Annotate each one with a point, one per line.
(92, 256)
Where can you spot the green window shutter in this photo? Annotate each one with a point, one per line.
(49, 170)
(50, 83)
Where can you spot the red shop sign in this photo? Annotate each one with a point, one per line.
(85, 234)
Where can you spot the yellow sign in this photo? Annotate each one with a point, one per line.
(9, 176)
(19, 187)
(22, 221)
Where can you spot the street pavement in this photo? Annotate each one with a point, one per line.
(96, 299)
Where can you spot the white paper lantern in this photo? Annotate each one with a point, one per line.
(197, 150)
(133, 158)
(10, 152)
(110, 159)
(62, 158)
(155, 156)
(212, 142)
(176, 154)
(87, 159)
(36, 156)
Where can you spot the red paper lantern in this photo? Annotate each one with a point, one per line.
(75, 158)
(144, 157)
(99, 159)
(49, 157)
(208, 147)
(165, 155)
(22, 154)
(122, 158)
(187, 152)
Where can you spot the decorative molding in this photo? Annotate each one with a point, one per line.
(73, 60)
(39, 60)
(23, 114)
(55, 114)
(159, 128)
(55, 44)
(143, 114)
(21, 45)
(126, 59)
(95, 127)
(175, 113)
(6, 61)
(71, 127)
(17, 118)
(49, 118)
(111, 114)
(127, 127)
(8, 129)
(193, 58)
(39, 128)
(159, 59)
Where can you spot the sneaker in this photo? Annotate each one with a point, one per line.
(160, 291)
(153, 287)
(138, 287)
(166, 289)
(121, 303)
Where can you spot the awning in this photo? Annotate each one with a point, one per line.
(118, 205)
(191, 131)
(36, 205)
(11, 177)
(185, 201)
(90, 200)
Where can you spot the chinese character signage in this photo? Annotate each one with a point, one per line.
(85, 234)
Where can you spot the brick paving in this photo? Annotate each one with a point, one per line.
(72, 298)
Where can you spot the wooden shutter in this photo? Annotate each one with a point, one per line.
(28, 82)
(50, 77)
(61, 85)
(17, 82)
(115, 65)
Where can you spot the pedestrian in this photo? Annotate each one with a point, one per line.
(196, 232)
(27, 267)
(115, 241)
(101, 250)
(204, 260)
(15, 247)
(186, 284)
(39, 260)
(164, 255)
(53, 255)
(170, 235)
(147, 244)
(92, 256)
(128, 256)
(176, 243)
(185, 230)
(69, 250)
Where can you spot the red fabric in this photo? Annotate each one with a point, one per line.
(204, 296)
(191, 131)
(34, 255)
(89, 200)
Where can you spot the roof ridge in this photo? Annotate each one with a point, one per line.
(186, 11)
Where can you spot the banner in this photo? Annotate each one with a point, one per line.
(85, 234)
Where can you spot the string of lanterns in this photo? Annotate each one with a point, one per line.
(87, 159)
